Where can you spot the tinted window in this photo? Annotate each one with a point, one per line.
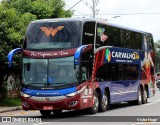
(150, 42)
(49, 72)
(115, 72)
(118, 37)
(88, 33)
(53, 35)
(102, 35)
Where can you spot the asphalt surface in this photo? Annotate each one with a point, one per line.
(119, 114)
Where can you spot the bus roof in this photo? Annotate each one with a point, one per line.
(86, 20)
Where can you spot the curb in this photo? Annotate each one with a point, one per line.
(8, 109)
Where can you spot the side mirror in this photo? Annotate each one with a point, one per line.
(77, 54)
(11, 54)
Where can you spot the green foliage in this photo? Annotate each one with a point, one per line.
(10, 102)
(40, 8)
(157, 49)
(4, 91)
(15, 15)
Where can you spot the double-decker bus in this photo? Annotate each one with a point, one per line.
(84, 64)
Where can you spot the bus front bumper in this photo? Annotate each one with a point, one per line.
(55, 103)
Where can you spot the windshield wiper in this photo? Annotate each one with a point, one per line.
(64, 84)
(31, 84)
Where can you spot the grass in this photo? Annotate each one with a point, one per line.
(10, 102)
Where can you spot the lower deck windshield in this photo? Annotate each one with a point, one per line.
(49, 72)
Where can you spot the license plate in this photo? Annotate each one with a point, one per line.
(47, 107)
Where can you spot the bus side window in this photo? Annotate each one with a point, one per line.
(122, 38)
(88, 33)
(114, 72)
(120, 72)
(102, 35)
(138, 41)
(150, 43)
(84, 73)
(149, 40)
(128, 40)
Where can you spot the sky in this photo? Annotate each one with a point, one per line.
(142, 15)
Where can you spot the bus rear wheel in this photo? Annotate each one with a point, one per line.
(140, 96)
(45, 112)
(144, 99)
(104, 103)
(94, 108)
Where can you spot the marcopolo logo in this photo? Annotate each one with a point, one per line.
(121, 55)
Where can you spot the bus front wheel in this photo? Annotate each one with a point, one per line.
(45, 112)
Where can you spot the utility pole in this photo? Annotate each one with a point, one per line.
(93, 9)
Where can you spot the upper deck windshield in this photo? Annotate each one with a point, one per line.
(49, 72)
(53, 35)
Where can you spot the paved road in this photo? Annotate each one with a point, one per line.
(119, 112)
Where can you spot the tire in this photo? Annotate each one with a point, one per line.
(144, 99)
(94, 108)
(57, 112)
(45, 112)
(140, 96)
(104, 103)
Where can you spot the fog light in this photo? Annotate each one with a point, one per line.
(25, 104)
(73, 103)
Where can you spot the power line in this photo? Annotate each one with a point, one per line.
(92, 7)
(82, 13)
(155, 13)
(74, 5)
(131, 13)
(87, 4)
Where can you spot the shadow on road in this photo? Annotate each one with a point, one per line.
(79, 115)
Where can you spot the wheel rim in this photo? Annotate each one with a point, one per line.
(96, 103)
(105, 101)
(139, 96)
(145, 95)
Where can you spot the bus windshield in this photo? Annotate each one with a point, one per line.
(49, 72)
(53, 35)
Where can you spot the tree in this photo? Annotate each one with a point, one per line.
(157, 49)
(15, 15)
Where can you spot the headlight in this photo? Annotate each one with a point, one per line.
(76, 93)
(25, 95)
